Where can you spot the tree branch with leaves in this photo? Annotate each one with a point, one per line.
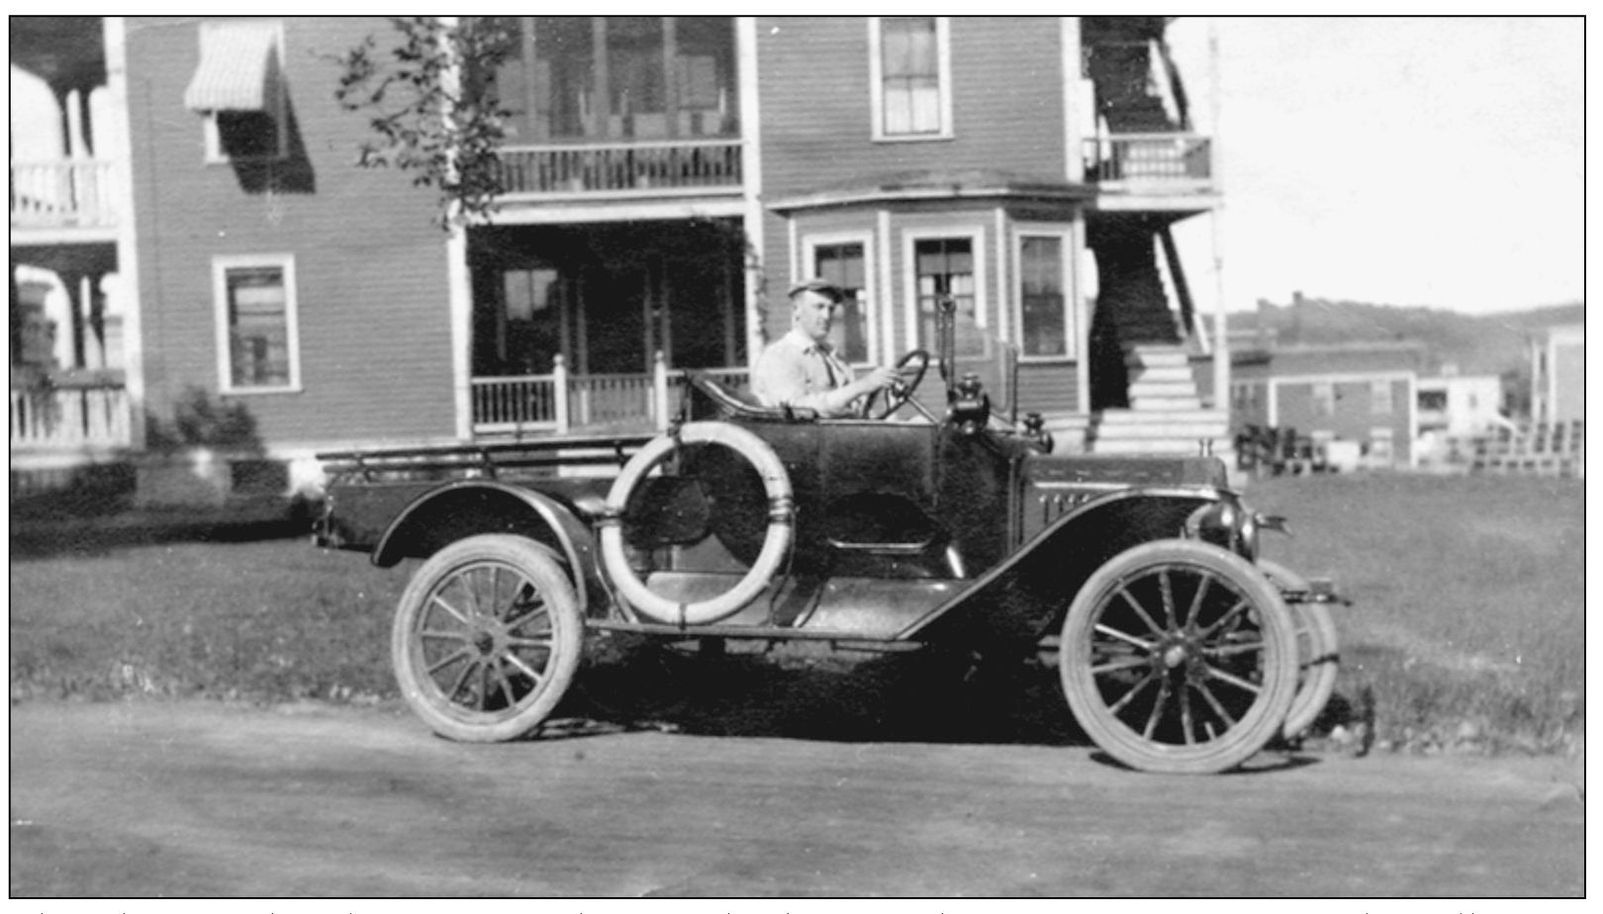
(427, 98)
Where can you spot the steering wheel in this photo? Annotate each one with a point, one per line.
(900, 393)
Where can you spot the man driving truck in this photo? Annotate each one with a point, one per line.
(800, 369)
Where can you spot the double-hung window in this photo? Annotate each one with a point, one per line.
(1045, 296)
(1324, 399)
(945, 268)
(844, 263)
(1380, 397)
(911, 77)
(258, 350)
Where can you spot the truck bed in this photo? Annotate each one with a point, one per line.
(369, 489)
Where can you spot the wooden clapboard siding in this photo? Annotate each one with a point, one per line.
(370, 266)
(1007, 113)
(1007, 107)
(1047, 387)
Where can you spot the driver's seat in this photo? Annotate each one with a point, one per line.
(720, 402)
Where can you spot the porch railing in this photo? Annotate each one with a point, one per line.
(632, 169)
(63, 193)
(1178, 157)
(69, 418)
(561, 401)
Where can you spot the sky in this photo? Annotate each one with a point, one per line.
(1426, 161)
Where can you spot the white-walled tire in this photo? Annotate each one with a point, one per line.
(1178, 656)
(487, 638)
(776, 543)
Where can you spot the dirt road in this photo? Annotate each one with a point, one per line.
(191, 798)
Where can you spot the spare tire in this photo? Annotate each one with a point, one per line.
(776, 543)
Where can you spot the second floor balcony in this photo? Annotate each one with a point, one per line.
(664, 168)
(66, 198)
(1154, 162)
(622, 106)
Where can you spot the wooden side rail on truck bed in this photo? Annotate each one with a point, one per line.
(545, 457)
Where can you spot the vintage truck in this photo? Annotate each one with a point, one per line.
(911, 525)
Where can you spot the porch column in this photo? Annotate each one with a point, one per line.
(1082, 315)
(117, 146)
(751, 166)
(92, 355)
(459, 292)
(670, 79)
(601, 106)
(459, 289)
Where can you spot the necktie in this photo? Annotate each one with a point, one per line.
(832, 368)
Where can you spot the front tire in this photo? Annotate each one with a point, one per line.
(487, 638)
(1178, 656)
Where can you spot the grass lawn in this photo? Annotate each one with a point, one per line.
(267, 620)
(1467, 625)
(1466, 629)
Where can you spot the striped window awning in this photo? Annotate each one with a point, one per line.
(238, 67)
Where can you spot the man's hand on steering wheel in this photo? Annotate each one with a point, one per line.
(900, 391)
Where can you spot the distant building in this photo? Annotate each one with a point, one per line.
(1459, 405)
(1558, 374)
(1352, 392)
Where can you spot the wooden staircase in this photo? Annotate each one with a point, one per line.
(1165, 415)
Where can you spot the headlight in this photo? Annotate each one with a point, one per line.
(1249, 535)
(1226, 525)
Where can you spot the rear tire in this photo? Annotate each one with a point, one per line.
(1178, 656)
(487, 638)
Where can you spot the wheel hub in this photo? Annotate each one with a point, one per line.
(1175, 655)
(484, 641)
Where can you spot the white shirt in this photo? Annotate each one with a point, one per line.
(796, 371)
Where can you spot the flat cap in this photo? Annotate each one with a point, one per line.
(821, 286)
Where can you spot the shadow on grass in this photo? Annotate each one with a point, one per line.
(34, 538)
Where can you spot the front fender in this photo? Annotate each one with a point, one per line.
(1025, 596)
(469, 507)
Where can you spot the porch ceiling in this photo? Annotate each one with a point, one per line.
(937, 185)
(65, 51)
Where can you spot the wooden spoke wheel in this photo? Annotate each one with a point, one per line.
(1317, 651)
(487, 637)
(1178, 656)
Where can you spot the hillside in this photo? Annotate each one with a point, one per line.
(1478, 344)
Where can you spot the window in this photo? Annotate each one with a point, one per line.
(1380, 398)
(910, 73)
(1045, 319)
(239, 88)
(945, 267)
(843, 264)
(529, 333)
(257, 345)
(1324, 397)
(244, 135)
(653, 78)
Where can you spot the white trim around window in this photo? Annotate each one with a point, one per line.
(1063, 233)
(876, 83)
(808, 250)
(261, 264)
(975, 235)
